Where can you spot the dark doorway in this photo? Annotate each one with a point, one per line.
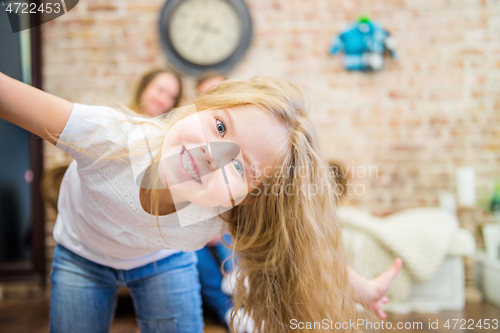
(22, 253)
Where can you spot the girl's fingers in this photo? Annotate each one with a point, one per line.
(385, 279)
(382, 314)
(398, 262)
(396, 267)
(378, 307)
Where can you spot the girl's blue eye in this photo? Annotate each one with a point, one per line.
(220, 127)
(239, 167)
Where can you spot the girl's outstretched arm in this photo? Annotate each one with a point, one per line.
(372, 292)
(32, 109)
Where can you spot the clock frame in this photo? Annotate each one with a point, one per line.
(188, 67)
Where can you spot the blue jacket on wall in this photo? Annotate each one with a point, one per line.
(364, 43)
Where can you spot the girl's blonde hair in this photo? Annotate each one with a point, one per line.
(287, 237)
(290, 255)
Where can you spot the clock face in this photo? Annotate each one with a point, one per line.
(205, 32)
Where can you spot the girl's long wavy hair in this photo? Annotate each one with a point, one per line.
(287, 238)
(292, 265)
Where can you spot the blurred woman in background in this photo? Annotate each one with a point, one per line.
(208, 81)
(158, 92)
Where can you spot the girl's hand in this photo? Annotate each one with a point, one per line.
(377, 288)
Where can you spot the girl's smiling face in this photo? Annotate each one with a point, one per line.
(217, 156)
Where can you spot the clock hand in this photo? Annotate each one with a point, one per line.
(197, 41)
(215, 30)
(209, 26)
(203, 28)
(200, 38)
(200, 26)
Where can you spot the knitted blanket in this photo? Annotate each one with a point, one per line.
(421, 237)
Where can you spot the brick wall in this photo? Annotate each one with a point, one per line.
(414, 123)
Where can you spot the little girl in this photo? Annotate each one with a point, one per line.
(292, 265)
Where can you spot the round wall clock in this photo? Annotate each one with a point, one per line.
(202, 35)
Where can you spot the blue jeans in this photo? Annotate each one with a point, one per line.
(166, 297)
(210, 259)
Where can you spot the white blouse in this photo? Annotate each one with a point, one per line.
(100, 216)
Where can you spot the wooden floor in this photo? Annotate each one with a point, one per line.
(31, 316)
